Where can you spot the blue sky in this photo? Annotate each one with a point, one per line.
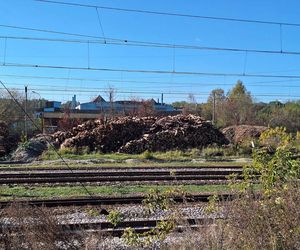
(154, 28)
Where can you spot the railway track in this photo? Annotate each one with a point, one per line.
(140, 226)
(142, 175)
(171, 172)
(98, 201)
(115, 168)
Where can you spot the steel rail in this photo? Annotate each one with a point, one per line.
(106, 179)
(98, 201)
(59, 174)
(140, 226)
(88, 168)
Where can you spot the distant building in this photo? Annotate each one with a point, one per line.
(52, 106)
(53, 112)
(123, 107)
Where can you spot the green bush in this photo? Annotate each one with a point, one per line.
(275, 137)
(275, 169)
(147, 155)
(156, 199)
(115, 217)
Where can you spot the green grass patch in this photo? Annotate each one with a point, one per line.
(148, 163)
(81, 155)
(25, 192)
(173, 155)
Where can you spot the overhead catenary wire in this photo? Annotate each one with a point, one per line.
(144, 71)
(151, 87)
(172, 93)
(135, 43)
(177, 14)
(38, 128)
(123, 41)
(171, 99)
(5, 48)
(174, 14)
(48, 31)
(152, 92)
(140, 81)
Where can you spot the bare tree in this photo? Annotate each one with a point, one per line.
(111, 96)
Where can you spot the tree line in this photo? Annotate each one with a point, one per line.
(238, 107)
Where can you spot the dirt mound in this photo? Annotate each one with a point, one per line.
(240, 133)
(30, 150)
(135, 135)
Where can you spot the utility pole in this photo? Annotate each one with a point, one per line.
(214, 109)
(111, 102)
(25, 117)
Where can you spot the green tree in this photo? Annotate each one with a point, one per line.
(277, 114)
(238, 107)
(216, 100)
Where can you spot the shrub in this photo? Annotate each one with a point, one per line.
(275, 169)
(274, 138)
(147, 155)
(115, 217)
(156, 199)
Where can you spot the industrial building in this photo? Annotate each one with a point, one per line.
(52, 113)
(123, 107)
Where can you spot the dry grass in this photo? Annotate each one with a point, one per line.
(269, 223)
(25, 227)
(250, 222)
(253, 223)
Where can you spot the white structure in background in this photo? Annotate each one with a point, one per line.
(100, 104)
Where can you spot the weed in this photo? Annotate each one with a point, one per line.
(158, 233)
(155, 200)
(212, 206)
(115, 217)
(92, 212)
(131, 238)
(147, 155)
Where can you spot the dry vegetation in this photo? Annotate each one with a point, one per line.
(24, 227)
(250, 222)
(269, 219)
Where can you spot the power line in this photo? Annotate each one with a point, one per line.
(97, 90)
(167, 95)
(173, 14)
(170, 97)
(47, 31)
(151, 87)
(142, 71)
(155, 93)
(141, 81)
(114, 41)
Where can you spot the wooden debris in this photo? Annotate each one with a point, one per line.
(135, 135)
(242, 133)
